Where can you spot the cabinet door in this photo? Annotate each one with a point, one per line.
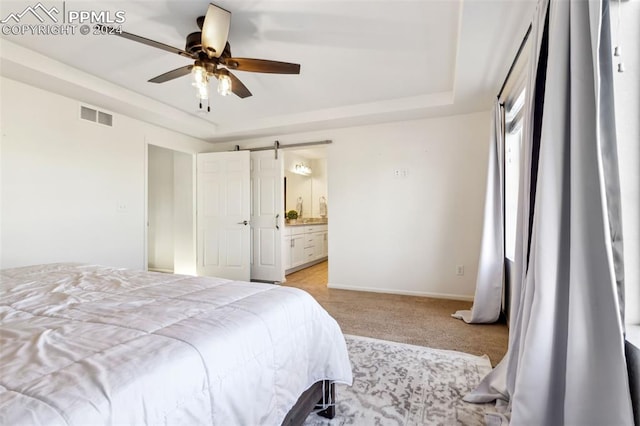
(318, 245)
(286, 252)
(297, 250)
(325, 244)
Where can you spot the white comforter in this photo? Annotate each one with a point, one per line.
(88, 345)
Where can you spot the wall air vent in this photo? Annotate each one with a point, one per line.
(100, 117)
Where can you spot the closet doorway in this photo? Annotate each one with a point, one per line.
(170, 211)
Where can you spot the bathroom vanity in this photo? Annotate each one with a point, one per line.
(304, 245)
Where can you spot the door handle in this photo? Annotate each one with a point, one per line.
(244, 222)
(277, 226)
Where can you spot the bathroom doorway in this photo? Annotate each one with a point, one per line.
(306, 234)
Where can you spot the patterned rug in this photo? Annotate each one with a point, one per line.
(400, 384)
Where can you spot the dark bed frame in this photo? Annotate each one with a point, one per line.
(321, 396)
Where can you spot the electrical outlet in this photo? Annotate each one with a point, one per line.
(460, 270)
(122, 207)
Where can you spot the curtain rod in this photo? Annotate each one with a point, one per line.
(277, 145)
(513, 64)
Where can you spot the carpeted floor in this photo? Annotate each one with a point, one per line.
(407, 385)
(406, 319)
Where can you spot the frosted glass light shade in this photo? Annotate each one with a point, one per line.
(200, 81)
(215, 30)
(224, 84)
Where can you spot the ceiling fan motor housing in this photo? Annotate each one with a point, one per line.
(194, 42)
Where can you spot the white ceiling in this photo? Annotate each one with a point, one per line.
(362, 61)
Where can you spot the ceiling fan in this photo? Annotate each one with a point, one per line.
(211, 53)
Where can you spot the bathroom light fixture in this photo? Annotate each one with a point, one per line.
(302, 169)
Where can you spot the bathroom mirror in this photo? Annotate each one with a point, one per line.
(306, 180)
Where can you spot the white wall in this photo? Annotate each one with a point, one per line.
(404, 234)
(627, 104)
(407, 234)
(319, 185)
(73, 190)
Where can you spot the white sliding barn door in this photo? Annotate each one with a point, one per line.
(267, 209)
(223, 215)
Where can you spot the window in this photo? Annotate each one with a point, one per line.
(513, 117)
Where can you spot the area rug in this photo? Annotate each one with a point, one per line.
(400, 384)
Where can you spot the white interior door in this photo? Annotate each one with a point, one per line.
(223, 191)
(267, 210)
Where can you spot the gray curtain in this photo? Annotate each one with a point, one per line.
(566, 364)
(488, 297)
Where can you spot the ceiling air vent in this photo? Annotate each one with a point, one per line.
(100, 117)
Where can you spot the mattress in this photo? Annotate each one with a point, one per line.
(84, 344)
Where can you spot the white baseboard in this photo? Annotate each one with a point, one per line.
(403, 292)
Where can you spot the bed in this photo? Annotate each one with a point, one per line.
(84, 344)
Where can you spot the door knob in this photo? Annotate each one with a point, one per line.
(244, 222)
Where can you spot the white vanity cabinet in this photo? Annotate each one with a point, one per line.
(303, 246)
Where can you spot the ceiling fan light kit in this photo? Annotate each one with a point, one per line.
(224, 84)
(200, 81)
(211, 52)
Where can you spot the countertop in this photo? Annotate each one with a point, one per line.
(309, 222)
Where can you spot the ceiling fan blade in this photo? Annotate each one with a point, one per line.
(262, 65)
(144, 40)
(215, 30)
(238, 87)
(178, 72)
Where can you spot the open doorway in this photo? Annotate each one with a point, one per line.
(170, 213)
(306, 238)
